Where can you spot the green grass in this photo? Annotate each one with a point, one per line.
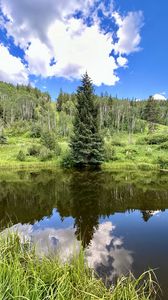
(122, 151)
(23, 275)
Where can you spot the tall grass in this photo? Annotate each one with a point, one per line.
(23, 275)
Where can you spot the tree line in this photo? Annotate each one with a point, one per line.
(82, 118)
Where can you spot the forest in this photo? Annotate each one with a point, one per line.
(35, 128)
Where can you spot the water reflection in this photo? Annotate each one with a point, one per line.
(106, 252)
(121, 219)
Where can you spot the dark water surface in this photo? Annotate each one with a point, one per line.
(122, 218)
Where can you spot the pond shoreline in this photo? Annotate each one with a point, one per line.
(107, 166)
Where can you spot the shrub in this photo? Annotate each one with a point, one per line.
(141, 141)
(163, 162)
(118, 143)
(45, 154)
(130, 153)
(34, 150)
(36, 131)
(57, 149)
(21, 156)
(19, 127)
(3, 140)
(163, 146)
(67, 160)
(146, 167)
(156, 139)
(48, 140)
(109, 152)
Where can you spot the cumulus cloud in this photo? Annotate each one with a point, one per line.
(158, 97)
(122, 61)
(11, 68)
(128, 33)
(31, 19)
(48, 30)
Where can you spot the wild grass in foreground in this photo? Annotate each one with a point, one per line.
(23, 275)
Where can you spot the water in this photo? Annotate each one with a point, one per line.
(120, 218)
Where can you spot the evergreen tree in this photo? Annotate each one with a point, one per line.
(151, 113)
(86, 144)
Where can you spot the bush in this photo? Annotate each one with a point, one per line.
(36, 131)
(117, 143)
(109, 152)
(141, 141)
(57, 149)
(48, 140)
(21, 156)
(45, 154)
(163, 162)
(156, 139)
(130, 153)
(34, 150)
(3, 140)
(67, 161)
(19, 127)
(163, 146)
(146, 166)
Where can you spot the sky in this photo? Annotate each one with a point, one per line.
(50, 44)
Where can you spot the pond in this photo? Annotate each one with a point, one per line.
(121, 218)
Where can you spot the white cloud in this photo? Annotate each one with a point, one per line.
(128, 33)
(46, 30)
(11, 68)
(31, 19)
(88, 50)
(158, 97)
(122, 61)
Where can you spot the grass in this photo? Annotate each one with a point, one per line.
(23, 275)
(122, 152)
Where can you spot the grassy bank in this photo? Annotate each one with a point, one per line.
(141, 151)
(23, 275)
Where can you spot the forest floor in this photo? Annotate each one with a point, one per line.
(122, 151)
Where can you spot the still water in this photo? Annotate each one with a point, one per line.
(120, 218)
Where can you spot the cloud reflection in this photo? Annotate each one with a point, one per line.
(105, 252)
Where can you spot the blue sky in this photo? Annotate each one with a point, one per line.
(122, 44)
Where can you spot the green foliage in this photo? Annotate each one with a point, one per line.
(86, 144)
(109, 152)
(34, 150)
(67, 160)
(3, 139)
(27, 114)
(117, 142)
(57, 149)
(48, 139)
(36, 131)
(21, 156)
(45, 154)
(156, 139)
(152, 112)
(130, 153)
(24, 276)
(163, 146)
(163, 162)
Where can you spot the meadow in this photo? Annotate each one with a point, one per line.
(122, 151)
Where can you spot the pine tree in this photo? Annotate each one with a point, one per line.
(151, 113)
(86, 144)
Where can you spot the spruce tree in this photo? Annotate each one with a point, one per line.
(86, 143)
(151, 113)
